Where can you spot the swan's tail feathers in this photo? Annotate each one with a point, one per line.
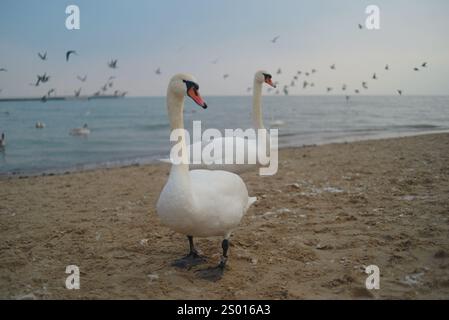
(165, 161)
(251, 201)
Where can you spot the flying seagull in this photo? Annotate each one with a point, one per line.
(158, 71)
(112, 64)
(286, 90)
(305, 84)
(313, 70)
(82, 79)
(44, 78)
(68, 53)
(364, 85)
(214, 61)
(375, 76)
(42, 56)
(329, 89)
(400, 92)
(3, 70)
(77, 92)
(52, 90)
(279, 71)
(225, 76)
(416, 69)
(344, 87)
(360, 26)
(387, 67)
(357, 91)
(333, 67)
(424, 65)
(275, 39)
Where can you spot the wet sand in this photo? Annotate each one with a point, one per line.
(329, 212)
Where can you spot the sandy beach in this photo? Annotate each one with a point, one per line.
(329, 212)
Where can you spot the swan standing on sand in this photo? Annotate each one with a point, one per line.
(225, 160)
(84, 131)
(199, 203)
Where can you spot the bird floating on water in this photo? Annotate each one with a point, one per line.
(40, 125)
(84, 131)
(3, 141)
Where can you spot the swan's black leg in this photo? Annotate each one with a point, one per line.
(190, 260)
(224, 258)
(193, 252)
(216, 273)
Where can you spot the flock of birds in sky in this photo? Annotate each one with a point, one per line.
(301, 79)
(44, 78)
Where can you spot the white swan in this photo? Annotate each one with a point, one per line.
(199, 203)
(84, 131)
(228, 145)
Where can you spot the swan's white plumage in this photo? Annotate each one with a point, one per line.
(199, 203)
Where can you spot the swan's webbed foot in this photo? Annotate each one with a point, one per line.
(191, 260)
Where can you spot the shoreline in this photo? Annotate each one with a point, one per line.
(154, 160)
(328, 213)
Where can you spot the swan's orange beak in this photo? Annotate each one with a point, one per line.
(270, 82)
(195, 95)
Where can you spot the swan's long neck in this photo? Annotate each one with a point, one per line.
(175, 106)
(257, 105)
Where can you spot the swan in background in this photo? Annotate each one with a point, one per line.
(228, 144)
(260, 78)
(84, 131)
(199, 203)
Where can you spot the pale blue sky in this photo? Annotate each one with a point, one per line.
(185, 36)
